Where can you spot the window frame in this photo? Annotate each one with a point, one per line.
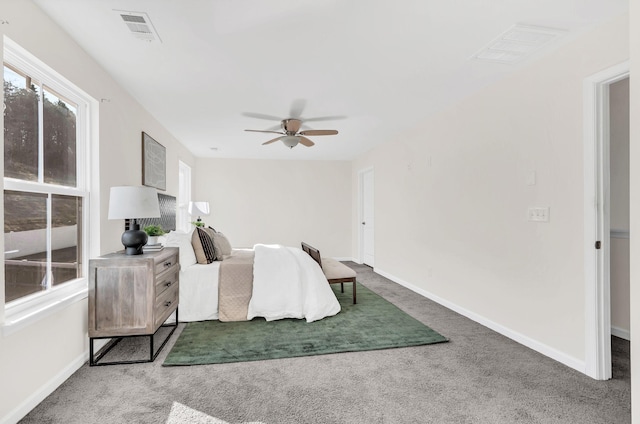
(184, 197)
(28, 309)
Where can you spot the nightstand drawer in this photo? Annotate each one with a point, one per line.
(166, 303)
(166, 281)
(166, 263)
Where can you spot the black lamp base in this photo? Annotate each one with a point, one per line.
(133, 240)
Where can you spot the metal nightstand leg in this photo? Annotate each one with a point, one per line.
(94, 361)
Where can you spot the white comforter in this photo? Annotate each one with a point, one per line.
(287, 283)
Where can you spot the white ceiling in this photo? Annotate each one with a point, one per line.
(383, 65)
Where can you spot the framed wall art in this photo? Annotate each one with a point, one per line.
(154, 163)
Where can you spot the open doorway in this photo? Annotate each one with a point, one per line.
(619, 265)
(597, 218)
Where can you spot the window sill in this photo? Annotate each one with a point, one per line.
(22, 313)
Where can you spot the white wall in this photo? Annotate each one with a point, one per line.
(34, 360)
(619, 196)
(278, 201)
(619, 154)
(619, 283)
(451, 199)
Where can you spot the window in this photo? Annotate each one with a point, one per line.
(45, 219)
(184, 197)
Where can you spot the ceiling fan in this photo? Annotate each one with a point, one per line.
(292, 129)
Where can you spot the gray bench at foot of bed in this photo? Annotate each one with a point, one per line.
(334, 271)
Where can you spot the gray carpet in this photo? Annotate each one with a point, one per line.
(478, 377)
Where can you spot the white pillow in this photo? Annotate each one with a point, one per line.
(182, 241)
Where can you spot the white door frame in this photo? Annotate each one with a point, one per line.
(361, 174)
(596, 220)
(184, 197)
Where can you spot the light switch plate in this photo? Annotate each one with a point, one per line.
(538, 214)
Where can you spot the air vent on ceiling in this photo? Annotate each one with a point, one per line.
(139, 24)
(517, 43)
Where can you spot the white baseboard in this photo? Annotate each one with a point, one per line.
(49, 387)
(620, 332)
(552, 353)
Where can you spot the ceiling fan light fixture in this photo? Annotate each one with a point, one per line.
(290, 141)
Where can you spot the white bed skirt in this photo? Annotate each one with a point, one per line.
(199, 292)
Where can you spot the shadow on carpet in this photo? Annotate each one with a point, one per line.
(373, 323)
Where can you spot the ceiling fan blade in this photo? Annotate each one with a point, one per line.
(325, 118)
(306, 142)
(297, 106)
(271, 141)
(274, 127)
(261, 116)
(318, 132)
(266, 131)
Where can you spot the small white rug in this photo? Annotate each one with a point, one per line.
(181, 414)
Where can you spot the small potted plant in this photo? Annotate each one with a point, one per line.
(153, 231)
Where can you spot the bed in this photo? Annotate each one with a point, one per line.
(269, 281)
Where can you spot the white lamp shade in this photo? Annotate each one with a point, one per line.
(131, 202)
(199, 208)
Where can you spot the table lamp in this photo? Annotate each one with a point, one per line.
(133, 202)
(200, 209)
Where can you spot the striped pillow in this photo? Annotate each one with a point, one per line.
(203, 247)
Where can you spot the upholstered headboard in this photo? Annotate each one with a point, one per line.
(167, 215)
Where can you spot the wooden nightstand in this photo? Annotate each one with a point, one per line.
(132, 296)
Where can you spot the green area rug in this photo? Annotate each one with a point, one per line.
(373, 323)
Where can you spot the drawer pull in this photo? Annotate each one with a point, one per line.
(168, 264)
(168, 284)
(167, 303)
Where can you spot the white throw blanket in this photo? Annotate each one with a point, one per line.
(288, 283)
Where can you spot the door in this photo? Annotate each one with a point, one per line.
(367, 222)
